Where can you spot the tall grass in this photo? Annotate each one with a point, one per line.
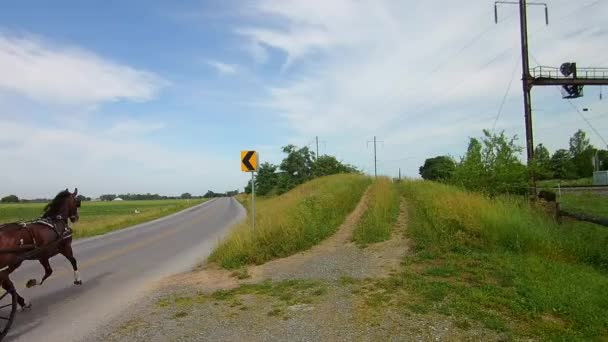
(509, 266)
(381, 214)
(292, 222)
(453, 219)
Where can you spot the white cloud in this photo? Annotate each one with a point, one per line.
(67, 75)
(45, 160)
(406, 70)
(223, 68)
(130, 127)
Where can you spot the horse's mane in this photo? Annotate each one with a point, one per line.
(52, 209)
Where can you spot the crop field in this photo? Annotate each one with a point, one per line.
(102, 217)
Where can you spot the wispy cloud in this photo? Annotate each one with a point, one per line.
(404, 69)
(223, 68)
(50, 73)
(130, 127)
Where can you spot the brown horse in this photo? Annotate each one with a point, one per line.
(40, 240)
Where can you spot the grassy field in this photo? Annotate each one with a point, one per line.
(585, 203)
(101, 217)
(553, 183)
(500, 263)
(292, 222)
(378, 220)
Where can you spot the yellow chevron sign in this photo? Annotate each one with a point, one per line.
(249, 161)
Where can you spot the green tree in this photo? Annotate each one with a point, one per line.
(266, 180)
(329, 165)
(582, 153)
(492, 165)
(10, 199)
(603, 158)
(107, 197)
(297, 167)
(470, 172)
(542, 158)
(562, 166)
(186, 195)
(439, 168)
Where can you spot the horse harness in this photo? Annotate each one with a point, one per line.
(61, 228)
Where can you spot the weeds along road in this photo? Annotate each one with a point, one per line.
(116, 270)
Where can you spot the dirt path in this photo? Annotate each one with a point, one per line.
(316, 295)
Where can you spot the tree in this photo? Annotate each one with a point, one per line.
(470, 171)
(83, 198)
(582, 153)
(439, 168)
(297, 167)
(266, 179)
(186, 195)
(107, 197)
(562, 166)
(492, 165)
(10, 199)
(603, 158)
(542, 158)
(329, 165)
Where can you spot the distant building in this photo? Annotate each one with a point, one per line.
(117, 199)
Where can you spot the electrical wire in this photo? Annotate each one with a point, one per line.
(504, 98)
(587, 121)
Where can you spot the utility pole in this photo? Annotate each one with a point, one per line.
(567, 76)
(375, 159)
(527, 89)
(375, 141)
(400, 174)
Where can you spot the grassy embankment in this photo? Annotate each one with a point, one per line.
(292, 222)
(381, 214)
(500, 263)
(101, 217)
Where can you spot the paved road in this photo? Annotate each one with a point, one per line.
(116, 269)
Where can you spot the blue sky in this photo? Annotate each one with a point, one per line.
(160, 96)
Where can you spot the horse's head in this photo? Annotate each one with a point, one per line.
(74, 207)
(64, 206)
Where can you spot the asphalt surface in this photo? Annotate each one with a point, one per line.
(116, 269)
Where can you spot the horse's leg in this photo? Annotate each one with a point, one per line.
(66, 251)
(47, 269)
(8, 285)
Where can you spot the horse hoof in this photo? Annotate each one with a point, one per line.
(26, 307)
(78, 282)
(31, 283)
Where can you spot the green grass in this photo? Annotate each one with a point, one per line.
(381, 214)
(101, 217)
(553, 183)
(585, 203)
(292, 222)
(501, 264)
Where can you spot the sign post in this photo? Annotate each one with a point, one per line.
(249, 163)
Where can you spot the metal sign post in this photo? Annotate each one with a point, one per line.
(249, 163)
(253, 200)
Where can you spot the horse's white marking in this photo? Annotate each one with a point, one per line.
(76, 276)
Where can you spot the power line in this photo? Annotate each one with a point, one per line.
(587, 121)
(504, 98)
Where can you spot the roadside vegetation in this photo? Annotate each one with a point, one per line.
(587, 203)
(377, 222)
(492, 165)
(292, 222)
(500, 263)
(101, 217)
